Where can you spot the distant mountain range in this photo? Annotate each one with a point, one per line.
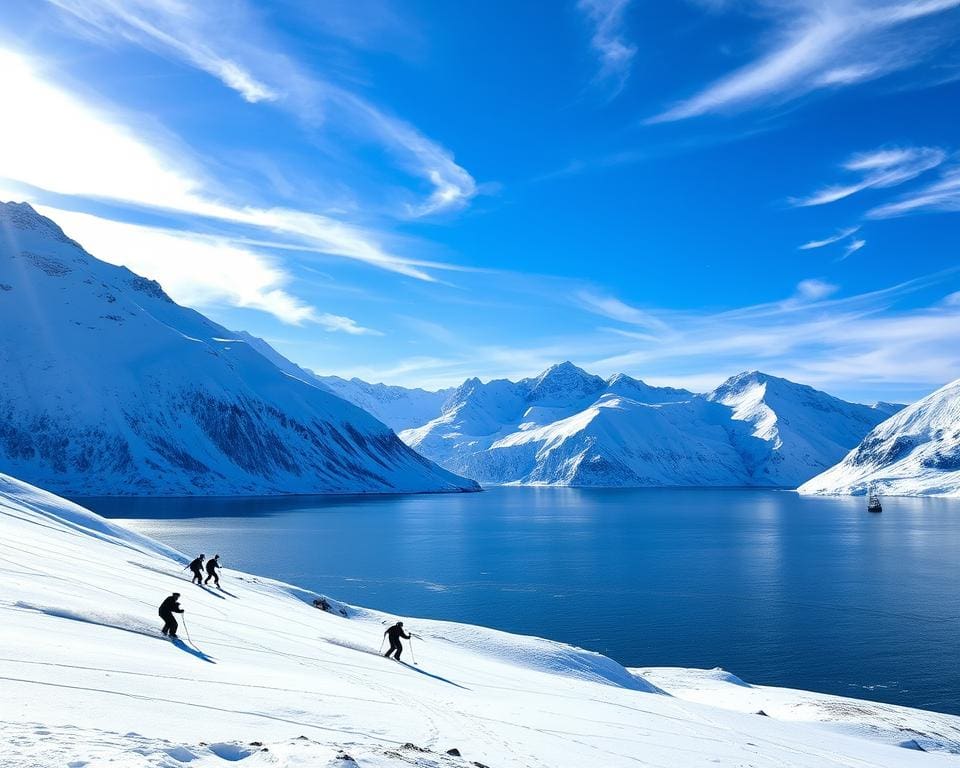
(569, 427)
(916, 452)
(397, 407)
(109, 387)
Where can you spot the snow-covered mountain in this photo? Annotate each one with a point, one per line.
(259, 677)
(915, 452)
(109, 387)
(568, 427)
(398, 407)
(795, 430)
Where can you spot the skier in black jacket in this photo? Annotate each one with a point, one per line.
(394, 634)
(169, 607)
(197, 567)
(212, 564)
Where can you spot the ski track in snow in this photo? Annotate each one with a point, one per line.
(88, 681)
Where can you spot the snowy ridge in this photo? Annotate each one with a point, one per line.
(800, 429)
(265, 679)
(567, 427)
(398, 407)
(109, 387)
(916, 452)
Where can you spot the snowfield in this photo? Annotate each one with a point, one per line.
(914, 453)
(262, 678)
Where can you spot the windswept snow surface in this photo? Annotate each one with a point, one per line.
(568, 427)
(916, 452)
(109, 387)
(264, 679)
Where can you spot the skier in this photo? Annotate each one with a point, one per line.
(197, 567)
(169, 607)
(212, 565)
(394, 634)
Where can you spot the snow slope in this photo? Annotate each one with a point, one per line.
(799, 430)
(915, 452)
(108, 387)
(265, 679)
(567, 427)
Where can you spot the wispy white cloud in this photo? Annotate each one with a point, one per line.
(344, 324)
(941, 195)
(881, 168)
(843, 234)
(611, 307)
(821, 44)
(52, 139)
(814, 289)
(198, 271)
(609, 41)
(852, 248)
(822, 340)
(888, 343)
(453, 186)
(228, 40)
(170, 27)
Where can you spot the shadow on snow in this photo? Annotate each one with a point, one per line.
(125, 623)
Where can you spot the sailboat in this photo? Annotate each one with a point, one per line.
(873, 501)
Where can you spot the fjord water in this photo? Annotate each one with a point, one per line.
(780, 589)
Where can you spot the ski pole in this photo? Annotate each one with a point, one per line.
(184, 620)
(413, 656)
(382, 639)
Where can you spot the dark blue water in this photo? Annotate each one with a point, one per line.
(777, 588)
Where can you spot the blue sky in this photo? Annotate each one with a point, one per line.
(417, 192)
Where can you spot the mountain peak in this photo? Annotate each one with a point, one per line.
(619, 378)
(746, 381)
(564, 382)
(25, 217)
(565, 371)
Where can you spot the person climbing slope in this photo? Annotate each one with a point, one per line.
(169, 607)
(197, 567)
(394, 634)
(212, 564)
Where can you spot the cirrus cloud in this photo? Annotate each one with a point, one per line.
(817, 44)
(226, 39)
(881, 168)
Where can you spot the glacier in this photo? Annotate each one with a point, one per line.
(108, 387)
